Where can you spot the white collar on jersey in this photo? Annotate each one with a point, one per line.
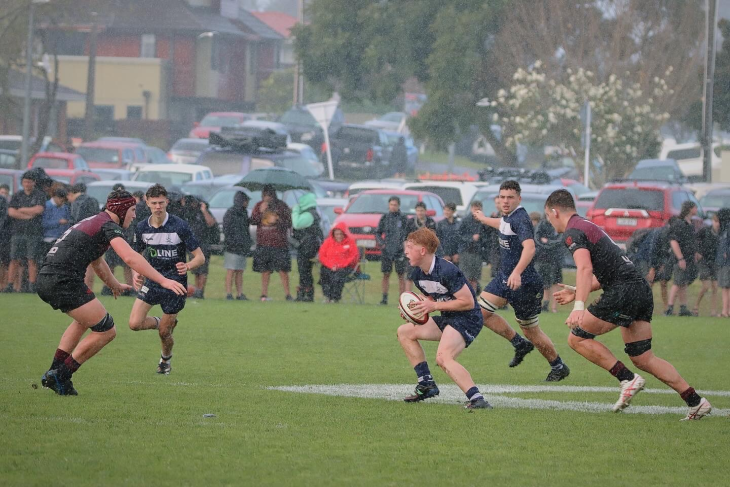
(514, 210)
(149, 220)
(433, 264)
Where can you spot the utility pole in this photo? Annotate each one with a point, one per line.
(298, 76)
(25, 144)
(90, 83)
(710, 24)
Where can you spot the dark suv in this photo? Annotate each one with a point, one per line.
(303, 128)
(361, 150)
(622, 208)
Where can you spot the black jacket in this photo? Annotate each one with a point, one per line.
(84, 207)
(552, 250)
(236, 231)
(448, 234)
(469, 227)
(396, 227)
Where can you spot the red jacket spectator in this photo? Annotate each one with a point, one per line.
(339, 255)
(273, 223)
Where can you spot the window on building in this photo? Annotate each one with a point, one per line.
(148, 46)
(104, 113)
(134, 112)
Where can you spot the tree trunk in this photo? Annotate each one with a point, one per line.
(506, 156)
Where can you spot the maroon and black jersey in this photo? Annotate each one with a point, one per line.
(610, 264)
(80, 245)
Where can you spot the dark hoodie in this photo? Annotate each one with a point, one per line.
(339, 255)
(235, 227)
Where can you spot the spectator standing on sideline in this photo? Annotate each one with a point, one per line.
(707, 240)
(684, 247)
(82, 205)
(56, 218)
(548, 259)
(662, 261)
(422, 219)
(399, 158)
(273, 218)
(447, 231)
(195, 213)
(722, 260)
(391, 234)
(4, 236)
(339, 256)
(26, 210)
(473, 235)
(308, 237)
(236, 244)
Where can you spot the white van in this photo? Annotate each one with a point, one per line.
(173, 174)
(690, 157)
(458, 192)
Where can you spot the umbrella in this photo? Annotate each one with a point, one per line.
(280, 178)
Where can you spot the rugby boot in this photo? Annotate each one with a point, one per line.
(51, 381)
(699, 411)
(629, 388)
(556, 375)
(480, 403)
(422, 392)
(164, 368)
(520, 352)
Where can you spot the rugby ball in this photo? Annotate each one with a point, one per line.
(405, 304)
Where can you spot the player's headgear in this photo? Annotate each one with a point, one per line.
(119, 202)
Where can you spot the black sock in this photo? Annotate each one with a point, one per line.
(423, 373)
(67, 368)
(385, 296)
(670, 307)
(620, 371)
(166, 359)
(58, 358)
(517, 340)
(557, 363)
(473, 394)
(691, 397)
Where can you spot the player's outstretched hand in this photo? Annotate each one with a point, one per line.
(175, 287)
(182, 268)
(514, 281)
(119, 289)
(565, 295)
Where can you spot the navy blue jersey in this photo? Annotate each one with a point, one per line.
(444, 280)
(514, 229)
(164, 247)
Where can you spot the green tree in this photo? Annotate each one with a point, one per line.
(276, 93)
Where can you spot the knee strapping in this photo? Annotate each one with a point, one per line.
(529, 322)
(486, 305)
(581, 333)
(106, 324)
(634, 349)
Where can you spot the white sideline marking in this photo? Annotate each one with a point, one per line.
(451, 394)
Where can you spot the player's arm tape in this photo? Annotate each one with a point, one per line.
(579, 306)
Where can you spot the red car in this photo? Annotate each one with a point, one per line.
(111, 155)
(71, 177)
(58, 160)
(213, 122)
(362, 213)
(622, 208)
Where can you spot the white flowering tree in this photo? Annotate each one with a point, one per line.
(625, 124)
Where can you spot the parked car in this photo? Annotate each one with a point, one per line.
(214, 121)
(12, 178)
(360, 186)
(622, 208)
(10, 146)
(361, 150)
(187, 151)
(715, 199)
(308, 154)
(364, 211)
(100, 189)
(690, 158)
(173, 174)
(328, 207)
(657, 170)
(302, 126)
(125, 140)
(457, 192)
(112, 155)
(392, 121)
(72, 176)
(9, 159)
(155, 155)
(58, 160)
(113, 174)
(276, 127)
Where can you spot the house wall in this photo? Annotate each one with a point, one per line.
(120, 83)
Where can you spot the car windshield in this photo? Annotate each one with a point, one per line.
(7, 179)
(378, 203)
(658, 173)
(631, 199)
(721, 200)
(165, 178)
(11, 144)
(298, 117)
(190, 145)
(97, 154)
(220, 121)
(448, 195)
(301, 164)
(681, 154)
(50, 163)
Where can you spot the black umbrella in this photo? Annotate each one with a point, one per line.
(280, 178)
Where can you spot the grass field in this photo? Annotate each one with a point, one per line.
(129, 426)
